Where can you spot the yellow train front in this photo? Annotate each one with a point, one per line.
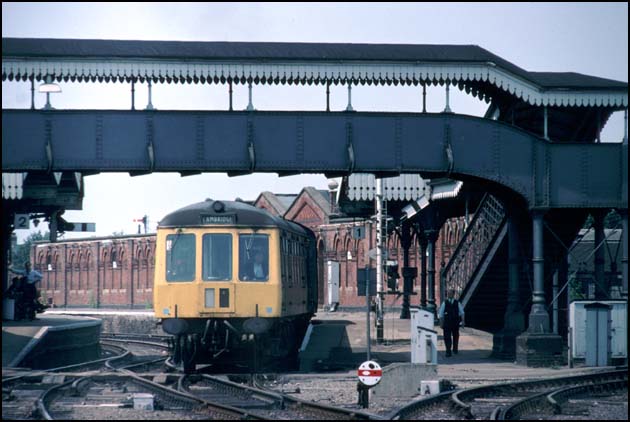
(234, 284)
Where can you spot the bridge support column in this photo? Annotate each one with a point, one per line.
(431, 239)
(405, 240)
(423, 271)
(538, 317)
(504, 341)
(538, 346)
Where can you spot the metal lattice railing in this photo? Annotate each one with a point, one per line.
(473, 246)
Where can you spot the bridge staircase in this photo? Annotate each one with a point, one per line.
(478, 269)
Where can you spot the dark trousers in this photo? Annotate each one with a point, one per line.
(451, 330)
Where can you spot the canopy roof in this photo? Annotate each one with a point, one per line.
(471, 67)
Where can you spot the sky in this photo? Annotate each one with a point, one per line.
(589, 38)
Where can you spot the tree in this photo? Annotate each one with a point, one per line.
(612, 220)
(22, 252)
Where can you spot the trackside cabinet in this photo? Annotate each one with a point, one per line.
(423, 337)
(617, 330)
(597, 334)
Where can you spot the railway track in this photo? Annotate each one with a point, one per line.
(142, 351)
(494, 401)
(77, 394)
(128, 396)
(77, 391)
(112, 395)
(21, 392)
(147, 341)
(271, 405)
(547, 404)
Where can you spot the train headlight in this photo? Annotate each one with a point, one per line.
(218, 206)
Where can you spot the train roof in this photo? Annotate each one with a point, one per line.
(226, 213)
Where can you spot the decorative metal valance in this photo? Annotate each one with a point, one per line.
(471, 68)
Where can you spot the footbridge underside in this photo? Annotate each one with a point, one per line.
(547, 175)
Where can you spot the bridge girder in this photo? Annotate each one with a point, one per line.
(546, 174)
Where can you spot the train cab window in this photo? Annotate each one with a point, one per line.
(180, 257)
(253, 257)
(217, 257)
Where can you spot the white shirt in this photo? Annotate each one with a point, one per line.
(32, 276)
(443, 305)
(258, 271)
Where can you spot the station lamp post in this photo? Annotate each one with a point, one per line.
(48, 87)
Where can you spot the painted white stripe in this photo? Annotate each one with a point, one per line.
(29, 346)
(307, 338)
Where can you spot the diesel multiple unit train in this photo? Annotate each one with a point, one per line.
(233, 284)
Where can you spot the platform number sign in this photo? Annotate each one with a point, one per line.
(370, 373)
(22, 221)
(358, 232)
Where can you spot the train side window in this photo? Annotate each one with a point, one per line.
(284, 248)
(303, 272)
(217, 257)
(253, 257)
(180, 257)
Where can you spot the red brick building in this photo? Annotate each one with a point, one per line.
(97, 272)
(312, 208)
(118, 271)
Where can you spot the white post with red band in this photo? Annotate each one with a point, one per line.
(370, 373)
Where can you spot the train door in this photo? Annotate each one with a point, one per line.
(217, 273)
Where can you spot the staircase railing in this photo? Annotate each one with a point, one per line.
(472, 248)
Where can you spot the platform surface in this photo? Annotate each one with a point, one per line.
(473, 363)
(16, 335)
(345, 334)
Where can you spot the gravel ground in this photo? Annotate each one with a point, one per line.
(340, 390)
(332, 389)
(601, 408)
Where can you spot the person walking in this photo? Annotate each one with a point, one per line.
(451, 314)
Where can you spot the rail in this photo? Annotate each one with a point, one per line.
(459, 403)
(550, 403)
(271, 404)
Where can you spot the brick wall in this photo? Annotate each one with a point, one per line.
(336, 240)
(111, 272)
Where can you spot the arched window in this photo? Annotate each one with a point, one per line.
(114, 257)
(151, 256)
(55, 266)
(77, 268)
(39, 261)
(105, 259)
(149, 266)
(321, 246)
(121, 265)
(321, 250)
(40, 265)
(86, 268)
(70, 270)
(348, 248)
(145, 257)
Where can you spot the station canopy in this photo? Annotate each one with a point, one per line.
(517, 95)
